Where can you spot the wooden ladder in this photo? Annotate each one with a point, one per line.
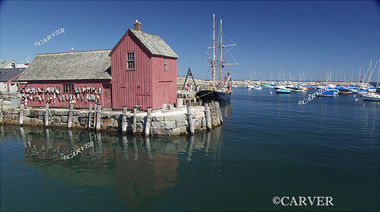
(91, 120)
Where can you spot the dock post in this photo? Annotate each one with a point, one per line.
(90, 108)
(135, 108)
(98, 116)
(207, 116)
(124, 120)
(218, 110)
(46, 118)
(21, 114)
(216, 113)
(148, 121)
(190, 120)
(71, 113)
(1, 110)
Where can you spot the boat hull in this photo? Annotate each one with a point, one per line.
(210, 95)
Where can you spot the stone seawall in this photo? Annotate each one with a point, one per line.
(167, 122)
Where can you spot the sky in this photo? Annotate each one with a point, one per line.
(311, 40)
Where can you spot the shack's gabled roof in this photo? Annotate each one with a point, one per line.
(153, 43)
(82, 65)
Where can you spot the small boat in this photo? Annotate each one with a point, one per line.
(371, 89)
(249, 86)
(256, 87)
(280, 89)
(371, 97)
(344, 91)
(329, 93)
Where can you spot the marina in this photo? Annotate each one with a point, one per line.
(236, 162)
(190, 106)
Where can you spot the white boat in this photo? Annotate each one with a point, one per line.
(250, 86)
(371, 97)
(257, 87)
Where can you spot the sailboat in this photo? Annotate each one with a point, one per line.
(220, 91)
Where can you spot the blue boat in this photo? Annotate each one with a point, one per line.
(329, 93)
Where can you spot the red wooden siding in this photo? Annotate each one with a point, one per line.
(79, 103)
(148, 85)
(164, 83)
(131, 87)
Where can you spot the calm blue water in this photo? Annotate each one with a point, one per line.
(268, 146)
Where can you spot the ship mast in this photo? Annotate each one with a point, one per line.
(221, 55)
(221, 62)
(213, 49)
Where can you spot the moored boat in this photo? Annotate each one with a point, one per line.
(328, 93)
(344, 91)
(371, 97)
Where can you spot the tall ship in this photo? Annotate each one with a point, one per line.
(219, 90)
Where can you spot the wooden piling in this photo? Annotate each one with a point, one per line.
(190, 120)
(207, 116)
(98, 116)
(124, 120)
(218, 110)
(46, 117)
(1, 110)
(71, 114)
(148, 122)
(134, 123)
(21, 116)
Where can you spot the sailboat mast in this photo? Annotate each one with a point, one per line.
(221, 53)
(213, 49)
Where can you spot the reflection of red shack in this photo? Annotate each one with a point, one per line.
(139, 181)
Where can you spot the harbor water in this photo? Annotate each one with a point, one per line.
(269, 146)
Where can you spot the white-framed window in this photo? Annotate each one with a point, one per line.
(130, 60)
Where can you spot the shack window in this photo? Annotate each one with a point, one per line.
(130, 60)
(68, 88)
(165, 66)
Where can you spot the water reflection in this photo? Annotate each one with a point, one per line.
(139, 169)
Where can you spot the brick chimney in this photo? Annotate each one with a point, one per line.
(137, 25)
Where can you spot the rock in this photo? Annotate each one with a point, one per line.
(183, 130)
(75, 119)
(176, 131)
(64, 119)
(170, 118)
(170, 125)
(158, 118)
(181, 123)
(161, 132)
(56, 119)
(157, 124)
(164, 107)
